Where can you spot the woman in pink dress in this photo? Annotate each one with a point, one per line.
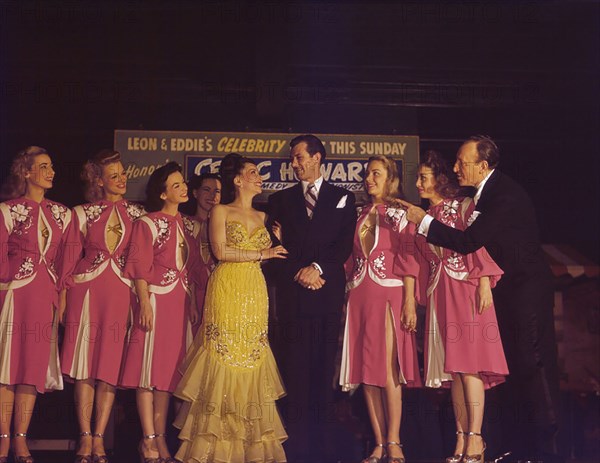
(164, 254)
(32, 230)
(379, 349)
(463, 343)
(99, 297)
(206, 189)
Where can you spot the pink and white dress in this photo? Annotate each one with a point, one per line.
(458, 339)
(33, 236)
(164, 254)
(375, 289)
(99, 296)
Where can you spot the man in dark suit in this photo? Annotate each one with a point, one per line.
(505, 223)
(317, 220)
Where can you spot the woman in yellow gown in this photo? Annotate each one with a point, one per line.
(230, 380)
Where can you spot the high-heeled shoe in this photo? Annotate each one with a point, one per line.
(96, 458)
(168, 459)
(391, 459)
(5, 458)
(22, 458)
(457, 457)
(373, 459)
(144, 458)
(479, 458)
(83, 457)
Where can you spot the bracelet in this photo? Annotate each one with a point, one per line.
(260, 258)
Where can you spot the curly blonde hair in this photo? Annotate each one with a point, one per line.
(16, 183)
(92, 172)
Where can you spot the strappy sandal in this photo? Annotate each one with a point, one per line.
(168, 459)
(83, 458)
(373, 459)
(95, 457)
(457, 457)
(479, 458)
(391, 459)
(25, 458)
(144, 458)
(4, 459)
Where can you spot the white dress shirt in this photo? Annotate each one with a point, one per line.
(318, 182)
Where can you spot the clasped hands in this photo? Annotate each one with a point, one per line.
(309, 277)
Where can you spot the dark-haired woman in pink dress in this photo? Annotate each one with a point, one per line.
(161, 265)
(463, 343)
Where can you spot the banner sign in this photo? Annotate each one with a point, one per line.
(144, 151)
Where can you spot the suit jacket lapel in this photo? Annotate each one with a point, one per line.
(323, 201)
(298, 207)
(487, 188)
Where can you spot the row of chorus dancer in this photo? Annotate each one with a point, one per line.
(129, 272)
(392, 267)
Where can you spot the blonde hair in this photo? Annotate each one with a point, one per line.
(16, 183)
(393, 188)
(92, 172)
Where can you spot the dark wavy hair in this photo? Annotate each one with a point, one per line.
(195, 182)
(446, 184)
(231, 166)
(313, 145)
(92, 172)
(15, 185)
(157, 185)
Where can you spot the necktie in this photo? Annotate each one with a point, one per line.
(310, 199)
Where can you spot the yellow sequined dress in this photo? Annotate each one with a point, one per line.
(230, 380)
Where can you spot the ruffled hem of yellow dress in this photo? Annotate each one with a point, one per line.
(229, 413)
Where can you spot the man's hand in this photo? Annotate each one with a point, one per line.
(309, 277)
(414, 213)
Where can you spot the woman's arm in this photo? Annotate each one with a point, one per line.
(146, 316)
(484, 294)
(409, 307)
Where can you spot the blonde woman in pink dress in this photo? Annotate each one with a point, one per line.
(463, 344)
(379, 349)
(32, 231)
(160, 264)
(99, 297)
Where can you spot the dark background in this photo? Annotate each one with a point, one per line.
(525, 73)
